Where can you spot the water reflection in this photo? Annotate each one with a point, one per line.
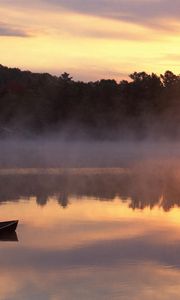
(92, 250)
(145, 186)
(98, 247)
(8, 237)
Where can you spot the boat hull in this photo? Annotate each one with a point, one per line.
(8, 226)
(8, 236)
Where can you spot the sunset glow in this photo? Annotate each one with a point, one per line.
(99, 39)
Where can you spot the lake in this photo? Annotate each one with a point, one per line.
(91, 233)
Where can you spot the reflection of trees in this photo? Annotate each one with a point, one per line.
(149, 189)
(63, 199)
(41, 200)
(144, 189)
(14, 187)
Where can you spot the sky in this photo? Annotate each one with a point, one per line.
(91, 39)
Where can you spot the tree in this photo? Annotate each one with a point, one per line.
(65, 77)
(170, 79)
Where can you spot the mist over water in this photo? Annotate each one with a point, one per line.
(146, 172)
(58, 152)
(97, 220)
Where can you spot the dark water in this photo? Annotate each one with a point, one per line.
(91, 234)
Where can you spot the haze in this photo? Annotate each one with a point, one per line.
(57, 152)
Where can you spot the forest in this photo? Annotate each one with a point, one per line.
(39, 103)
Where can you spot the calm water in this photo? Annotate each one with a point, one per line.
(91, 234)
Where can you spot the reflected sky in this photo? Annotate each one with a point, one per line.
(93, 248)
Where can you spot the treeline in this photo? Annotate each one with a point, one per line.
(37, 103)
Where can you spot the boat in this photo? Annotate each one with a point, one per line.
(8, 226)
(8, 236)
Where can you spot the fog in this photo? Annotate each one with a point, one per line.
(56, 152)
(146, 172)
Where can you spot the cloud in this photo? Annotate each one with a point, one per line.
(146, 12)
(154, 14)
(173, 57)
(100, 33)
(6, 30)
(151, 13)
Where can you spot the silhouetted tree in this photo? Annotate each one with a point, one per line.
(33, 102)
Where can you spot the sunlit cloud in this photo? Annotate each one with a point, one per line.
(149, 13)
(135, 11)
(6, 30)
(173, 57)
(158, 14)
